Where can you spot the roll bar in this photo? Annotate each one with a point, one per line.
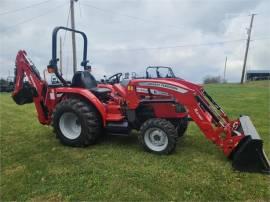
(159, 67)
(54, 60)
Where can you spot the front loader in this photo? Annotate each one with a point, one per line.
(158, 105)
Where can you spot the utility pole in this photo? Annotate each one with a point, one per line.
(61, 56)
(225, 67)
(72, 20)
(247, 47)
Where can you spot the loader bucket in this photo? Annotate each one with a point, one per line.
(249, 155)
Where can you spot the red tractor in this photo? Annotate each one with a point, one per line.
(158, 105)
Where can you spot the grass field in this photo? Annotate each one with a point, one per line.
(35, 166)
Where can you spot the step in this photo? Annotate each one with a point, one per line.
(114, 117)
(118, 127)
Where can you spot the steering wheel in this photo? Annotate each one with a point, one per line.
(114, 78)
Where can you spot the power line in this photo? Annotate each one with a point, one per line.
(182, 46)
(34, 18)
(135, 17)
(178, 46)
(66, 26)
(20, 9)
(107, 11)
(128, 16)
(262, 38)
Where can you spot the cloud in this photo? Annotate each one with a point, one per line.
(115, 29)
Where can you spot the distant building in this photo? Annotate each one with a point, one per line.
(254, 75)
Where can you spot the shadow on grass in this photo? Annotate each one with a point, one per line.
(108, 139)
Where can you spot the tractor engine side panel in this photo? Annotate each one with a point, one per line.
(168, 110)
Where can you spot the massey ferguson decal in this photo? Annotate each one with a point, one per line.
(163, 85)
(152, 91)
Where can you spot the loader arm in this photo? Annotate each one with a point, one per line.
(33, 90)
(238, 139)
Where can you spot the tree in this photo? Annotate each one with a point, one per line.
(212, 79)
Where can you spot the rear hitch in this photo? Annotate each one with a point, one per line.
(249, 156)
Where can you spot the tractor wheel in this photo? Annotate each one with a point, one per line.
(182, 126)
(158, 136)
(76, 123)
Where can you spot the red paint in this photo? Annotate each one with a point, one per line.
(127, 97)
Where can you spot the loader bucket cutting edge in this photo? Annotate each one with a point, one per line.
(249, 155)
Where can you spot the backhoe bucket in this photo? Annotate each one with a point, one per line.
(249, 155)
(25, 95)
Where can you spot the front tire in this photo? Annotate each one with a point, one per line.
(76, 123)
(158, 136)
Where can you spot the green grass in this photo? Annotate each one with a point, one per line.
(35, 166)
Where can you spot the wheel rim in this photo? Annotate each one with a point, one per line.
(70, 125)
(156, 139)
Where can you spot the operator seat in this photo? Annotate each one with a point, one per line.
(84, 79)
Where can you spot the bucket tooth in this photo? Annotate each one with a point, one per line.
(249, 155)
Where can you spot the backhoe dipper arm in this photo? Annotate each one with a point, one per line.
(31, 91)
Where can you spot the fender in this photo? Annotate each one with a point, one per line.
(88, 96)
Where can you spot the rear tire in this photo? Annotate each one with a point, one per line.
(158, 136)
(76, 123)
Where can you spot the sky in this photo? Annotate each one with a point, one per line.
(192, 36)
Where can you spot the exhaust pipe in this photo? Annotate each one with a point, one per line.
(249, 155)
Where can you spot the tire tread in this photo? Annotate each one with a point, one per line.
(90, 121)
(164, 125)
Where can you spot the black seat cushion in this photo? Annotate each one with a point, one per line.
(100, 90)
(84, 79)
